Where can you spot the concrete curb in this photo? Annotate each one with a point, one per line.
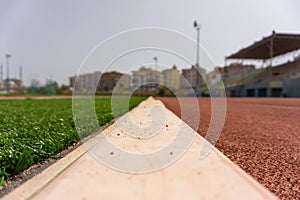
(80, 176)
(38, 182)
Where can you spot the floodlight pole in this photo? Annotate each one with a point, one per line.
(8, 56)
(197, 27)
(198, 45)
(156, 72)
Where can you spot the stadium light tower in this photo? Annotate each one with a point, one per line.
(8, 56)
(197, 27)
(155, 60)
(197, 66)
(156, 72)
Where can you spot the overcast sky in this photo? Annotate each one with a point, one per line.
(51, 38)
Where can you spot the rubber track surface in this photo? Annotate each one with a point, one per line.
(262, 136)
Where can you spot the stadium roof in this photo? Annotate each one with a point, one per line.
(279, 42)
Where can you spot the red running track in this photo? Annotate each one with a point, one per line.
(262, 136)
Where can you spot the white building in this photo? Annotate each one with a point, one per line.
(214, 77)
(146, 78)
(192, 77)
(85, 82)
(124, 82)
(171, 78)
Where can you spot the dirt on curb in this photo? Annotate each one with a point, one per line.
(262, 136)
